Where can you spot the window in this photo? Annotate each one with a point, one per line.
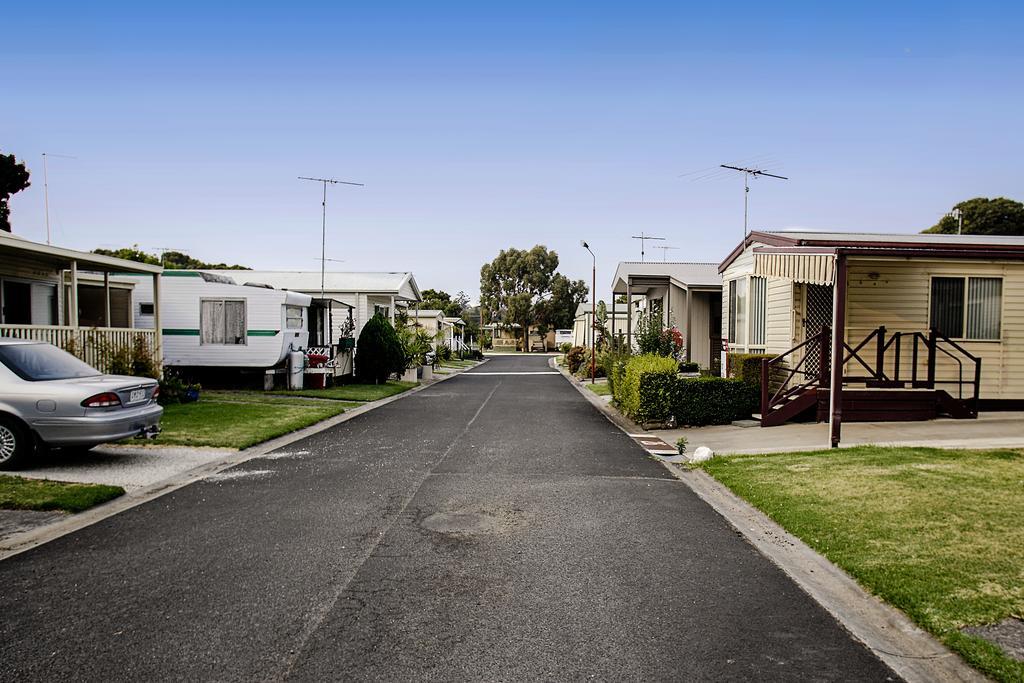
(383, 310)
(293, 317)
(222, 321)
(758, 309)
(967, 307)
(738, 311)
(146, 309)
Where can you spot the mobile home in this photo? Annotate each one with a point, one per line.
(880, 326)
(211, 321)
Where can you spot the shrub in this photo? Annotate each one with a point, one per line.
(379, 353)
(564, 348)
(646, 389)
(584, 370)
(747, 366)
(442, 353)
(176, 389)
(574, 358)
(648, 335)
(689, 367)
(681, 445)
(613, 363)
(713, 400)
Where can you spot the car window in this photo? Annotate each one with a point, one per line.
(39, 362)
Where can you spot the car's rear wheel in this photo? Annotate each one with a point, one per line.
(15, 444)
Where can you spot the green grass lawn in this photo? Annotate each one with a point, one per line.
(353, 392)
(232, 423)
(599, 388)
(18, 493)
(937, 533)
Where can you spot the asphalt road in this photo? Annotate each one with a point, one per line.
(493, 526)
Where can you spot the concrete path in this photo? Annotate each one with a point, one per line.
(494, 526)
(990, 430)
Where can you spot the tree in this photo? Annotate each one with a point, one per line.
(13, 179)
(983, 216)
(451, 306)
(514, 283)
(379, 352)
(171, 260)
(559, 310)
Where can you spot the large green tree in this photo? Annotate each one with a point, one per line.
(13, 179)
(558, 311)
(516, 285)
(984, 216)
(171, 260)
(452, 306)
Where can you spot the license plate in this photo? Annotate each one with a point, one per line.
(137, 395)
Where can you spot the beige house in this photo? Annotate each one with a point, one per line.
(688, 295)
(429, 319)
(924, 324)
(583, 324)
(72, 299)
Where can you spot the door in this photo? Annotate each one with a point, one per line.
(817, 314)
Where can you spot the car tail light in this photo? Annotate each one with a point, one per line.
(156, 393)
(104, 400)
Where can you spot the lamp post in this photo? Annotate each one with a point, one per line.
(593, 310)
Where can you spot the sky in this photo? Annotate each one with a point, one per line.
(479, 126)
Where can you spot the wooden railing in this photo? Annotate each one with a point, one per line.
(94, 345)
(888, 369)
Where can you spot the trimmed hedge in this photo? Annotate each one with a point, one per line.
(713, 400)
(646, 387)
(379, 353)
(747, 367)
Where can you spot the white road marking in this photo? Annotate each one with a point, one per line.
(491, 374)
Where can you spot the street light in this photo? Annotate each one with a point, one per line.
(593, 310)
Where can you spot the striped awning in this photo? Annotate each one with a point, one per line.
(817, 269)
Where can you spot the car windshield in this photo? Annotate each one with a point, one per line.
(39, 362)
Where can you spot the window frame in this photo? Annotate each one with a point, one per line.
(245, 321)
(301, 317)
(748, 309)
(966, 304)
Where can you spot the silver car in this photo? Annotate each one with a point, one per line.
(50, 398)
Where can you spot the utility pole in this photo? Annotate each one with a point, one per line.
(643, 238)
(323, 226)
(664, 252)
(593, 311)
(46, 190)
(749, 173)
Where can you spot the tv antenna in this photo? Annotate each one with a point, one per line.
(664, 251)
(46, 190)
(643, 238)
(163, 252)
(323, 227)
(749, 173)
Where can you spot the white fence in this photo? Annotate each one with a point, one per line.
(95, 345)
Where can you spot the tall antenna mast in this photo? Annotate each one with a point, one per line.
(664, 251)
(46, 191)
(643, 238)
(323, 227)
(747, 174)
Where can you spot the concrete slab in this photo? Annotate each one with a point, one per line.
(990, 430)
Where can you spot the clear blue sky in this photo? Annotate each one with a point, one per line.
(476, 127)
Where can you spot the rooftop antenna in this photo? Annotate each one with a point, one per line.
(323, 227)
(643, 238)
(664, 251)
(748, 173)
(46, 190)
(163, 252)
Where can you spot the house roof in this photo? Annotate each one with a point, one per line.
(681, 274)
(426, 313)
(62, 257)
(880, 244)
(454, 321)
(400, 284)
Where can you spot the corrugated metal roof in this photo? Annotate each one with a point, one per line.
(894, 238)
(309, 281)
(686, 274)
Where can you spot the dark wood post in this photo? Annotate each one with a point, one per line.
(932, 343)
(838, 337)
(613, 321)
(880, 354)
(629, 313)
(824, 342)
(977, 386)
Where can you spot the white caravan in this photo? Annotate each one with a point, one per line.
(209, 320)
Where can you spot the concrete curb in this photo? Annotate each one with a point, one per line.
(915, 655)
(19, 543)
